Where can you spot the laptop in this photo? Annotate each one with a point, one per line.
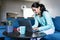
(27, 23)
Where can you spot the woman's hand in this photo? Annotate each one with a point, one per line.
(36, 28)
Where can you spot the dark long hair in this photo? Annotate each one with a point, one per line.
(42, 7)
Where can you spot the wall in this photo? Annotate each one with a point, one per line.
(13, 6)
(0, 8)
(53, 7)
(0, 12)
(0, 2)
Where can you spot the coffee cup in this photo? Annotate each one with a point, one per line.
(21, 29)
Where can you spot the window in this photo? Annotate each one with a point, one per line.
(27, 12)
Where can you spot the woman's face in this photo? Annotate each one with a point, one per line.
(36, 10)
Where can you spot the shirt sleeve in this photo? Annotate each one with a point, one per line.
(48, 21)
(35, 24)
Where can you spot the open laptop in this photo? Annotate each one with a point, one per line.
(27, 23)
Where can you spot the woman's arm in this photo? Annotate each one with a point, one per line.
(35, 24)
(49, 22)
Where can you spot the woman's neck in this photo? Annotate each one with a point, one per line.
(39, 14)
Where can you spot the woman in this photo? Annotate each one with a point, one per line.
(42, 17)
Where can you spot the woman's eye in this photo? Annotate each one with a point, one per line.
(34, 10)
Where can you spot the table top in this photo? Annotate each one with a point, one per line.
(28, 35)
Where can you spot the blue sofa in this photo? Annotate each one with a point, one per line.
(2, 29)
(55, 36)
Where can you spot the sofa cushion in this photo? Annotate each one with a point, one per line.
(55, 36)
(14, 22)
(2, 29)
(20, 18)
(57, 23)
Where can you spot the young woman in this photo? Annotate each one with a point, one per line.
(43, 18)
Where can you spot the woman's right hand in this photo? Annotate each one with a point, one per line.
(36, 28)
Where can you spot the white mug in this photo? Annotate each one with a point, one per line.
(21, 29)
